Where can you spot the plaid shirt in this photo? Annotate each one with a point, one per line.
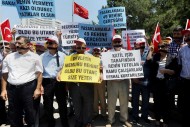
(173, 48)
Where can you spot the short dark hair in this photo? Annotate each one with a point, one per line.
(26, 40)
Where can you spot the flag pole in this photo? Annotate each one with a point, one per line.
(72, 11)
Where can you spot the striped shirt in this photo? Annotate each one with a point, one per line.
(184, 60)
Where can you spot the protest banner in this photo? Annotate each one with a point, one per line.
(96, 35)
(35, 33)
(113, 16)
(36, 8)
(11, 3)
(70, 31)
(81, 68)
(133, 35)
(122, 65)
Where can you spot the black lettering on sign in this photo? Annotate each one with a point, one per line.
(111, 71)
(78, 70)
(113, 65)
(112, 76)
(72, 77)
(83, 77)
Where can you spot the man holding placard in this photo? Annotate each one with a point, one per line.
(81, 90)
(118, 88)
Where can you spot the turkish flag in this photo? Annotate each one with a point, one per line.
(156, 38)
(128, 43)
(187, 24)
(80, 11)
(6, 31)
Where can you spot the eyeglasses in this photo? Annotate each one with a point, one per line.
(81, 48)
(117, 42)
(96, 50)
(1, 44)
(50, 43)
(5, 48)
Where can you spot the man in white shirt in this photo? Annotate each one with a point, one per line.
(21, 82)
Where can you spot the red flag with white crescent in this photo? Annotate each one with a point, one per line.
(156, 38)
(6, 31)
(80, 11)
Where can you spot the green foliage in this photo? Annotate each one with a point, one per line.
(145, 14)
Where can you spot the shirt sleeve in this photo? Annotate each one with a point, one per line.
(5, 66)
(39, 66)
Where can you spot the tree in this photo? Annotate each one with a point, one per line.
(147, 13)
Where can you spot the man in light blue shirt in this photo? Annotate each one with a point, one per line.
(184, 62)
(52, 61)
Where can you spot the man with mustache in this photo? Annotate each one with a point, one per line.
(21, 82)
(99, 91)
(118, 89)
(81, 93)
(52, 61)
(140, 86)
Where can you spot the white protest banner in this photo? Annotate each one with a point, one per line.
(35, 33)
(96, 35)
(70, 31)
(11, 3)
(36, 8)
(115, 16)
(122, 65)
(133, 35)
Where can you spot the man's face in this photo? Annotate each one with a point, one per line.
(52, 45)
(40, 49)
(21, 45)
(177, 36)
(117, 44)
(96, 52)
(80, 47)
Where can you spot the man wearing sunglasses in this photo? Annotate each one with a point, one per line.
(140, 86)
(118, 89)
(81, 93)
(99, 91)
(21, 82)
(52, 61)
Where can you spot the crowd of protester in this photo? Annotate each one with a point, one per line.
(31, 71)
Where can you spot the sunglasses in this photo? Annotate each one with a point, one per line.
(50, 43)
(81, 48)
(117, 42)
(5, 48)
(1, 44)
(96, 50)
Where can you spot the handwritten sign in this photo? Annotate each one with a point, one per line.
(113, 16)
(81, 68)
(96, 35)
(36, 8)
(122, 65)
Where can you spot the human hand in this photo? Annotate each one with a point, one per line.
(4, 95)
(37, 93)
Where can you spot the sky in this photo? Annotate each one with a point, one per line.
(63, 10)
